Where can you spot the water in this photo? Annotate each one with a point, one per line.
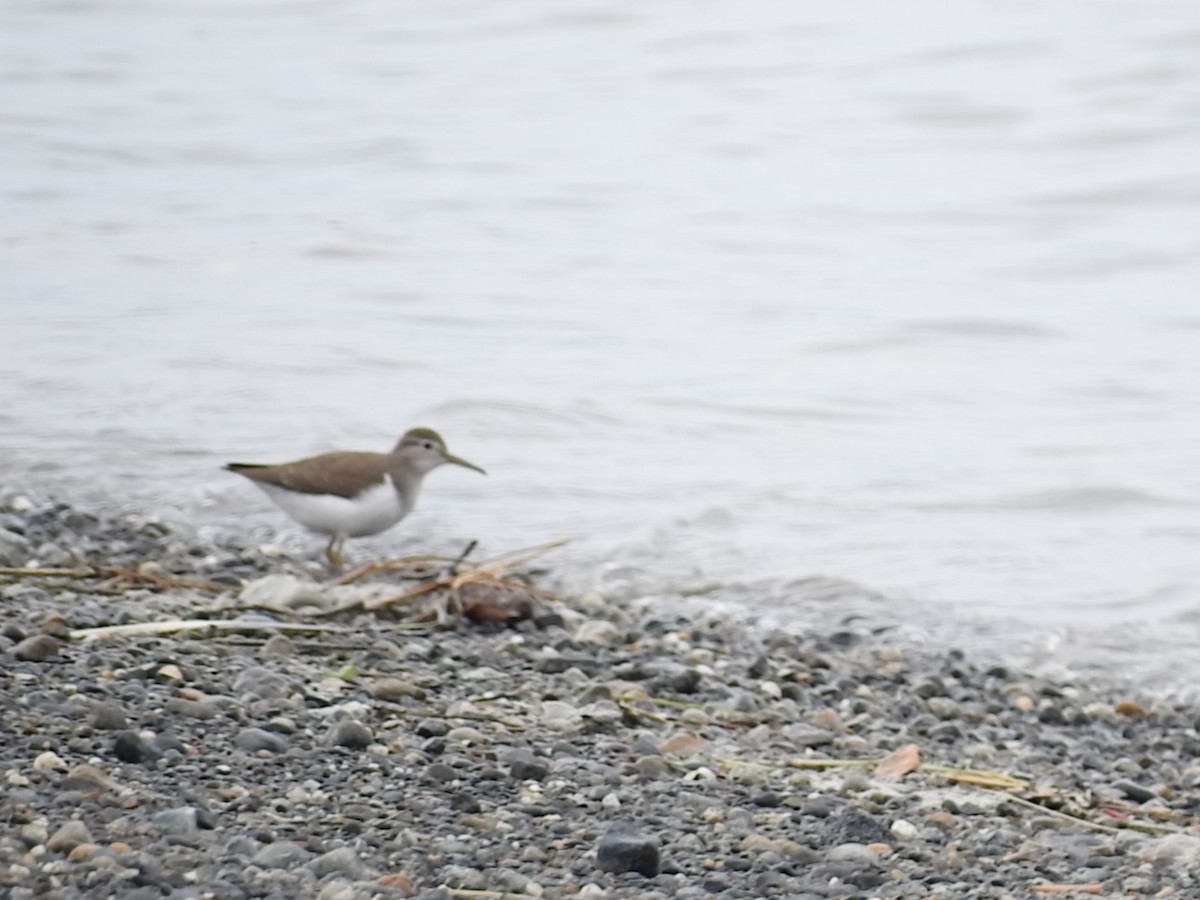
(806, 310)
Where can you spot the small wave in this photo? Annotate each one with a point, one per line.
(983, 328)
(1086, 498)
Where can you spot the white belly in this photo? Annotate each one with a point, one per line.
(374, 510)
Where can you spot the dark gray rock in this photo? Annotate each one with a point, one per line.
(1135, 792)
(675, 678)
(431, 728)
(850, 825)
(130, 747)
(623, 848)
(524, 765)
(108, 715)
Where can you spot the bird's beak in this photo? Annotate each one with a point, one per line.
(459, 461)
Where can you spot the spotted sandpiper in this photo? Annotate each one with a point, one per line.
(353, 494)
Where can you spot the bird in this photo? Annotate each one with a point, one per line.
(348, 494)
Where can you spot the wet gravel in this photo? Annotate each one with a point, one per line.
(595, 750)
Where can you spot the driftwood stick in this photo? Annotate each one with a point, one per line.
(145, 629)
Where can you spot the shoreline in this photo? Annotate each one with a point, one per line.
(593, 749)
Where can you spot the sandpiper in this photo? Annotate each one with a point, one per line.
(353, 494)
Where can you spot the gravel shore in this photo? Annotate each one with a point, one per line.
(591, 750)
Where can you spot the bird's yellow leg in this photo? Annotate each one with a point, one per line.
(334, 552)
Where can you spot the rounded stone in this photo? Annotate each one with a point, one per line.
(343, 861)
(108, 716)
(393, 690)
(281, 855)
(253, 740)
(69, 836)
(349, 733)
(37, 648)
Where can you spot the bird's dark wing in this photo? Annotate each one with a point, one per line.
(339, 474)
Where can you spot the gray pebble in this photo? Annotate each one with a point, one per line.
(343, 890)
(857, 854)
(653, 767)
(281, 855)
(242, 846)
(261, 682)
(440, 772)
(193, 709)
(14, 549)
(108, 715)
(54, 556)
(349, 733)
(254, 739)
(849, 825)
(523, 765)
(1135, 792)
(432, 728)
(676, 678)
(180, 820)
(278, 645)
(69, 836)
(464, 878)
(800, 735)
(343, 861)
(943, 707)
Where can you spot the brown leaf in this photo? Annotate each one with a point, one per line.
(1130, 709)
(899, 763)
(399, 881)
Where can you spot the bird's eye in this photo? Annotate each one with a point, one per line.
(427, 445)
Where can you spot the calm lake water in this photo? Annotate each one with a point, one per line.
(807, 310)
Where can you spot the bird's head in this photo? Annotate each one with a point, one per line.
(424, 450)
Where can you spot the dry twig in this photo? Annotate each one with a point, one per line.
(145, 629)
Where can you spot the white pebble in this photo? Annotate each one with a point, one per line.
(771, 689)
(902, 828)
(48, 760)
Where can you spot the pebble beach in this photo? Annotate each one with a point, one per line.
(334, 747)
